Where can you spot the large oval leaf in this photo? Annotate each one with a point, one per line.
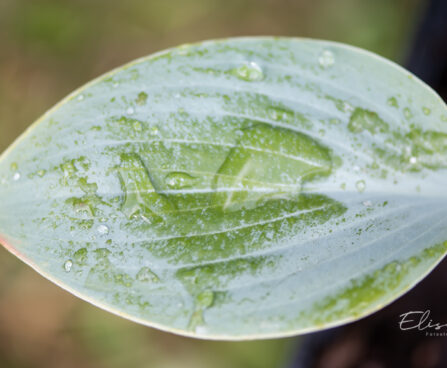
(235, 189)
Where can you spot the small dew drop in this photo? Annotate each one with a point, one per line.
(413, 160)
(274, 114)
(179, 180)
(103, 229)
(141, 98)
(347, 107)
(153, 131)
(407, 113)
(184, 49)
(249, 72)
(146, 275)
(392, 101)
(335, 121)
(367, 203)
(326, 59)
(14, 166)
(136, 125)
(41, 173)
(426, 111)
(16, 176)
(361, 186)
(68, 265)
(80, 97)
(205, 299)
(130, 110)
(80, 256)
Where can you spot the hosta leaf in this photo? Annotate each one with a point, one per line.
(233, 189)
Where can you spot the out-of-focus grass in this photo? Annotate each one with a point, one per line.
(50, 47)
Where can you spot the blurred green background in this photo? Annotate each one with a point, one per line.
(49, 48)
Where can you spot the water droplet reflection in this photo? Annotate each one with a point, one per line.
(326, 59)
(68, 265)
(361, 186)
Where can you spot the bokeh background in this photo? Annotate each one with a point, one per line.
(49, 48)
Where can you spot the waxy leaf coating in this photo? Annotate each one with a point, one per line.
(235, 189)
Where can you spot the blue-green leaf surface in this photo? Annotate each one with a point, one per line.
(242, 188)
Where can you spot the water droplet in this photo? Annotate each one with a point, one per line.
(136, 125)
(335, 121)
(326, 59)
(142, 98)
(370, 121)
(41, 173)
(426, 110)
(367, 203)
(347, 107)
(80, 256)
(277, 113)
(80, 97)
(115, 85)
(141, 197)
(68, 265)
(392, 101)
(14, 166)
(154, 131)
(146, 275)
(360, 185)
(407, 113)
(413, 160)
(88, 188)
(16, 176)
(179, 180)
(249, 170)
(184, 49)
(205, 299)
(103, 229)
(249, 72)
(130, 110)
